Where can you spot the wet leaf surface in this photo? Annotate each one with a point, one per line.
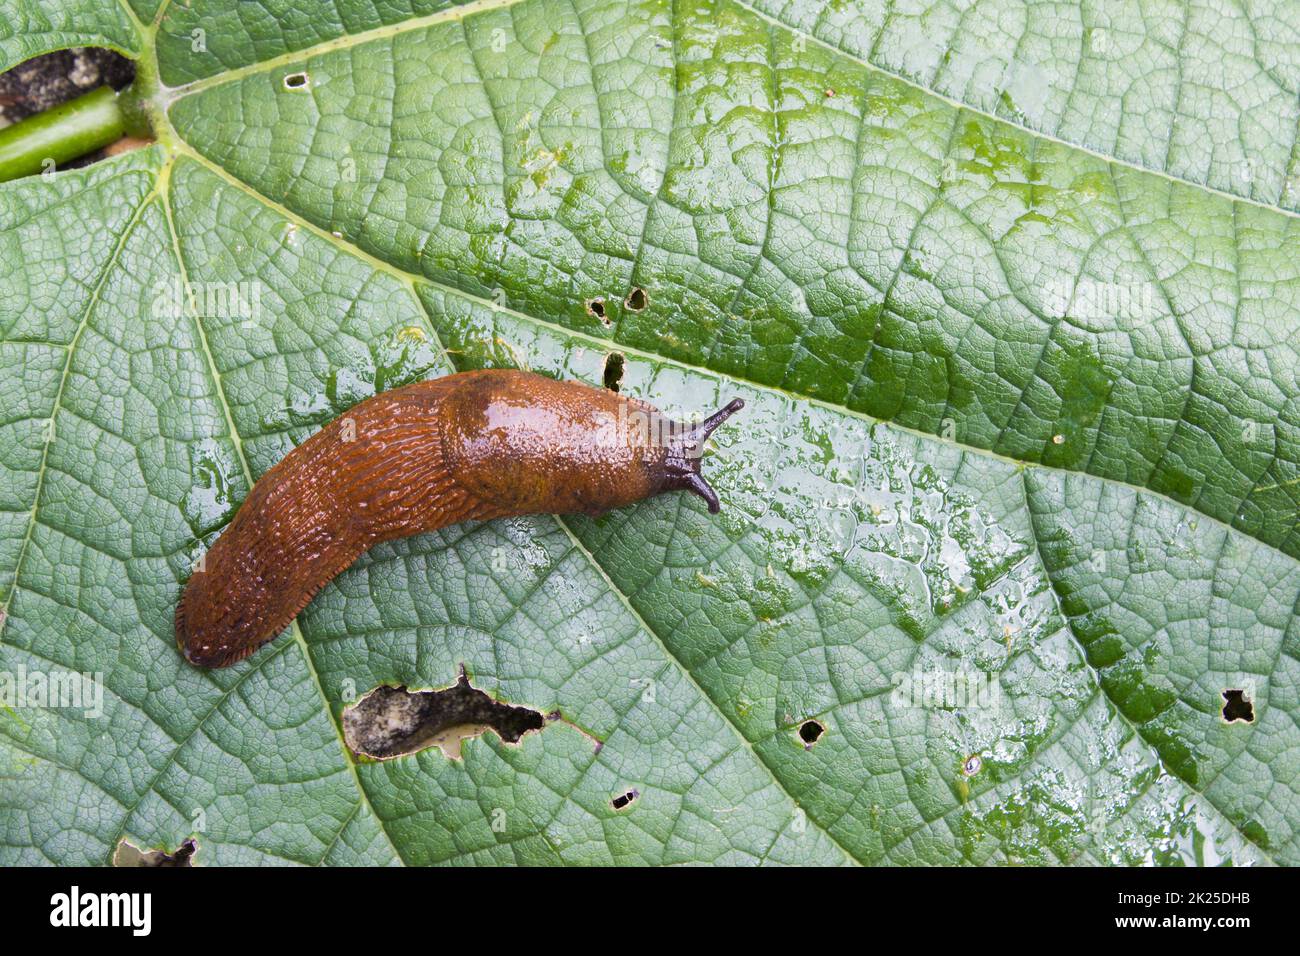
(1010, 509)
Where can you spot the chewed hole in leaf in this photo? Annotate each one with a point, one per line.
(623, 799)
(393, 721)
(295, 81)
(614, 363)
(972, 765)
(127, 854)
(596, 307)
(636, 300)
(810, 731)
(1237, 708)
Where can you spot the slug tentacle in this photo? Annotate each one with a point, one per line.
(705, 428)
(470, 446)
(685, 450)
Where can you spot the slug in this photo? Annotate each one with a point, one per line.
(469, 446)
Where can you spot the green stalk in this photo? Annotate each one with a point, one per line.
(65, 132)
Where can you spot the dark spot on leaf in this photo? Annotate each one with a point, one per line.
(810, 731)
(1237, 707)
(596, 307)
(295, 81)
(127, 854)
(393, 721)
(623, 799)
(614, 363)
(636, 300)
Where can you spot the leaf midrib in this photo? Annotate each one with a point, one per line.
(343, 42)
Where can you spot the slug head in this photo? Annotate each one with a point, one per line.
(685, 450)
(530, 445)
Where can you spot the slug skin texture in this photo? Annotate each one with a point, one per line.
(470, 446)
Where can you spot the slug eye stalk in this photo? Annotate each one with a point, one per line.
(685, 449)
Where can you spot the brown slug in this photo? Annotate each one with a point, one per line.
(469, 446)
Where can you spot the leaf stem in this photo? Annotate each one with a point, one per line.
(64, 132)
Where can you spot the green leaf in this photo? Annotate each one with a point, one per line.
(29, 29)
(1022, 409)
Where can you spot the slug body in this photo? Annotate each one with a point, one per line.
(469, 446)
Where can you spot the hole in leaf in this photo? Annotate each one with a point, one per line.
(128, 854)
(295, 81)
(393, 721)
(972, 765)
(623, 799)
(1237, 707)
(636, 300)
(810, 731)
(596, 307)
(614, 363)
